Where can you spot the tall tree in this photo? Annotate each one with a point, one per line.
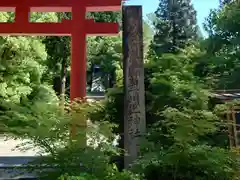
(223, 2)
(175, 26)
(58, 49)
(222, 60)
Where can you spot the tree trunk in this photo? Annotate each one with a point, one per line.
(63, 82)
(91, 76)
(112, 79)
(172, 8)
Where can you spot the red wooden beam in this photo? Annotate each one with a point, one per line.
(104, 5)
(57, 29)
(61, 5)
(31, 29)
(22, 15)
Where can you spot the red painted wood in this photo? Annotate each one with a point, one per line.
(57, 29)
(61, 5)
(62, 9)
(22, 15)
(78, 64)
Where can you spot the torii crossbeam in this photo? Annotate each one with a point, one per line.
(61, 5)
(78, 27)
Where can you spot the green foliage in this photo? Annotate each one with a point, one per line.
(22, 65)
(180, 122)
(22, 62)
(221, 61)
(81, 177)
(117, 176)
(175, 26)
(43, 17)
(46, 126)
(194, 162)
(110, 109)
(106, 53)
(182, 155)
(105, 17)
(58, 61)
(177, 145)
(31, 116)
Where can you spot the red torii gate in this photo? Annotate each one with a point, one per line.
(78, 27)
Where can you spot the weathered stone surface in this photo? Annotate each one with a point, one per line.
(134, 115)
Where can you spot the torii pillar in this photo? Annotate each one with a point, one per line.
(78, 48)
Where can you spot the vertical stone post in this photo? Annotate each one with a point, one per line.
(134, 106)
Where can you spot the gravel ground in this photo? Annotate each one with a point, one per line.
(10, 158)
(7, 148)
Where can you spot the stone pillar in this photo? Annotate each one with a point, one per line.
(134, 106)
